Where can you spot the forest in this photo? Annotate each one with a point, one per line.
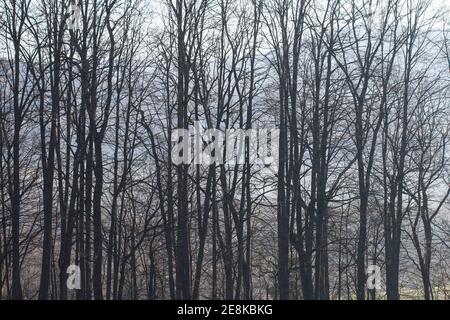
(94, 204)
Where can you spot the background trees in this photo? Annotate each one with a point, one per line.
(358, 88)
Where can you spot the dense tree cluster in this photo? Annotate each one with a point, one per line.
(92, 90)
